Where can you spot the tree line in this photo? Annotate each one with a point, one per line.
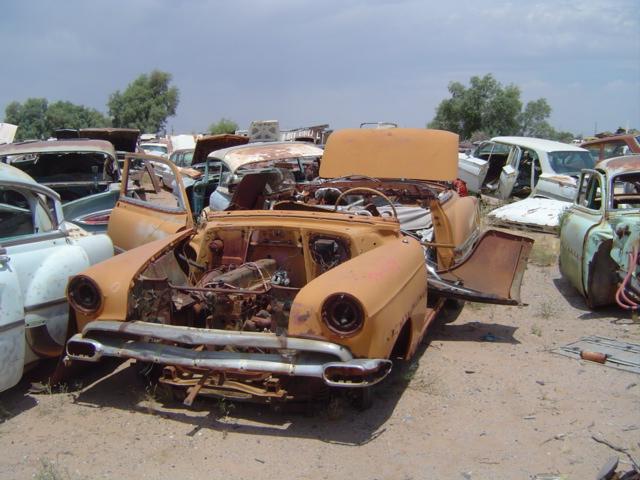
(482, 110)
(145, 104)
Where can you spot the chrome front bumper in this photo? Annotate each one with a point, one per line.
(301, 357)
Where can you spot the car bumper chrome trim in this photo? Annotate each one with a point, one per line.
(213, 337)
(354, 373)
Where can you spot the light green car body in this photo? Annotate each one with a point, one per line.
(600, 230)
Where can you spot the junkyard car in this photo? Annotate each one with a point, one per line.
(520, 166)
(85, 173)
(155, 148)
(39, 251)
(124, 140)
(278, 304)
(301, 158)
(192, 164)
(613, 146)
(600, 234)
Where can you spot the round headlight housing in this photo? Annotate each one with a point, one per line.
(84, 294)
(343, 314)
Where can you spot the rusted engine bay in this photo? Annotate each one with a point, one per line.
(244, 280)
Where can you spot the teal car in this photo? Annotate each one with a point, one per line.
(600, 234)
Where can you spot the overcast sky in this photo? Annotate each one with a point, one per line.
(340, 62)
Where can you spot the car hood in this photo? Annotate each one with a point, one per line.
(211, 143)
(123, 139)
(411, 153)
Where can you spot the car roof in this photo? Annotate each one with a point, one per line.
(58, 146)
(236, 157)
(538, 144)
(411, 153)
(617, 165)
(611, 138)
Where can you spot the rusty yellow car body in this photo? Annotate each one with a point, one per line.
(354, 293)
(280, 303)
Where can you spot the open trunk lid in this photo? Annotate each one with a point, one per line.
(123, 139)
(409, 153)
(211, 143)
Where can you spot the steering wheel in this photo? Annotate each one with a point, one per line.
(369, 190)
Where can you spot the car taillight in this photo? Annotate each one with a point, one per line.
(84, 294)
(98, 218)
(343, 314)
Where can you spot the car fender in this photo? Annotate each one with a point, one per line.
(114, 276)
(390, 282)
(44, 297)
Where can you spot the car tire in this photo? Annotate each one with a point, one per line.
(363, 398)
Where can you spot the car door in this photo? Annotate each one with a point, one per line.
(472, 169)
(586, 213)
(12, 322)
(147, 210)
(509, 173)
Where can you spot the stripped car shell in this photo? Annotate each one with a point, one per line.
(613, 146)
(409, 174)
(234, 162)
(84, 172)
(38, 253)
(278, 304)
(261, 323)
(506, 166)
(600, 235)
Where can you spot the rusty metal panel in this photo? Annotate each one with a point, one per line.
(210, 143)
(410, 153)
(236, 157)
(502, 254)
(533, 213)
(58, 146)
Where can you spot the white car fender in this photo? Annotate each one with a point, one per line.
(12, 340)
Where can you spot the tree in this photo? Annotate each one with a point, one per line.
(487, 108)
(486, 105)
(145, 104)
(533, 119)
(37, 119)
(30, 117)
(68, 115)
(224, 125)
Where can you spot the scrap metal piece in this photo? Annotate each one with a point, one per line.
(620, 355)
(503, 254)
(533, 213)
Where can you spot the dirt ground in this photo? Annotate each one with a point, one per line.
(485, 399)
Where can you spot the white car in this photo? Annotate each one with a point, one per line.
(154, 148)
(39, 251)
(520, 166)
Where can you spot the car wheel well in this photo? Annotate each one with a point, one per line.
(601, 280)
(403, 342)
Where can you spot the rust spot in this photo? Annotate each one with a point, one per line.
(302, 318)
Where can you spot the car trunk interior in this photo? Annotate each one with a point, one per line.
(72, 175)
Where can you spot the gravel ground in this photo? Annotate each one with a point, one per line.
(484, 399)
